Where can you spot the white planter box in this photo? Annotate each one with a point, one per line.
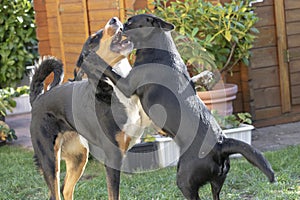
(243, 133)
(168, 152)
(151, 155)
(23, 105)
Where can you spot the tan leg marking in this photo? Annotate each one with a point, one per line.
(57, 154)
(76, 157)
(123, 141)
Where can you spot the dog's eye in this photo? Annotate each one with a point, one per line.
(128, 22)
(112, 21)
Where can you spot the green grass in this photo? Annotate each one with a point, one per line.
(19, 179)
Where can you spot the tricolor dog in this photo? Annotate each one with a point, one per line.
(71, 119)
(160, 79)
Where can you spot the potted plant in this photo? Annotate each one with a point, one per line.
(7, 103)
(237, 126)
(153, 152)
(211, 37)
(6, 133)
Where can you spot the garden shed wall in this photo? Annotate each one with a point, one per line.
(274, 73)
(269, 89)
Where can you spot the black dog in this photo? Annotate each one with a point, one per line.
(72, 118)
(160, 79)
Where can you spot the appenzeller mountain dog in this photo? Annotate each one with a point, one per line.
(71, 119)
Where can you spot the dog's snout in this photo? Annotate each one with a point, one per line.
(112, 21)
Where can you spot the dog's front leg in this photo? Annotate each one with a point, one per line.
(126, 85)
(112, 182)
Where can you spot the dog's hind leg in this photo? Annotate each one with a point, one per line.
(47, 150)
(113, 166)
(216, 186)
(75, 152)
(218, 181)
(113, 183)
(51, 170)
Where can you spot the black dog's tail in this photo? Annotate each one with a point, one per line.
(45, 67)
(254, 156)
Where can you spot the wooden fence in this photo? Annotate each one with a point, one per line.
(269, 89)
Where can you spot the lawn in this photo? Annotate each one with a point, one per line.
(20, 180)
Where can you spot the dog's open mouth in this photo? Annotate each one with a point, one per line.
(120, 44)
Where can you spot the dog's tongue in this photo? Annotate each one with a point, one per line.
(118, 37)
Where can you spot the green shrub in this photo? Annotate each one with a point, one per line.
(6, 101)
(7, 96)
(226, 31)
(17, 38)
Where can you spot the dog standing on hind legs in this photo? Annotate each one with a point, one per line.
(160, 79)
(70, 118)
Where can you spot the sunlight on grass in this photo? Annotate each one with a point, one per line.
(21, 180)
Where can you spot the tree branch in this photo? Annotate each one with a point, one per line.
(225, 68)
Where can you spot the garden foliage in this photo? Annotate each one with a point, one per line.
(17, 38)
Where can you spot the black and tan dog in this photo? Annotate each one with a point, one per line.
(70, 119)
(160, 79)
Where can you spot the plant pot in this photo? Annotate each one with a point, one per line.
(168, 152)
(141, 157)
(151, 155)
(243, 133)
(23, 105)
(220, 98)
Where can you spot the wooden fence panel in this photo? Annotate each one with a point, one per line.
(269, 97)
(63, 26)
(42, 27)
(264, 57)
(292, 11)
(265, 95)
(291, 4)
(260, 80)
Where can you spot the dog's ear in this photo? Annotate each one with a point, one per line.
(84, 52)
(158, 22)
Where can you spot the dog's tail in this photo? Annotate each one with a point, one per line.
(254, 156)
(46, 66)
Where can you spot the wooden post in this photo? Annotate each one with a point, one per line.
(86, 19)
(281, 49)
(122, 10)
(62, 47)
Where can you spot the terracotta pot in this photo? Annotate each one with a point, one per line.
(220, 98)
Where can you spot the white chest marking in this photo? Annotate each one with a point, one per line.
(137, 119)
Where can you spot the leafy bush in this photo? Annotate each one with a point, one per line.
(17, 38)
(225, 31)
(6, 98)
(6, 101)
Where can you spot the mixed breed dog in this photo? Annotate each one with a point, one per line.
(106, 113)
